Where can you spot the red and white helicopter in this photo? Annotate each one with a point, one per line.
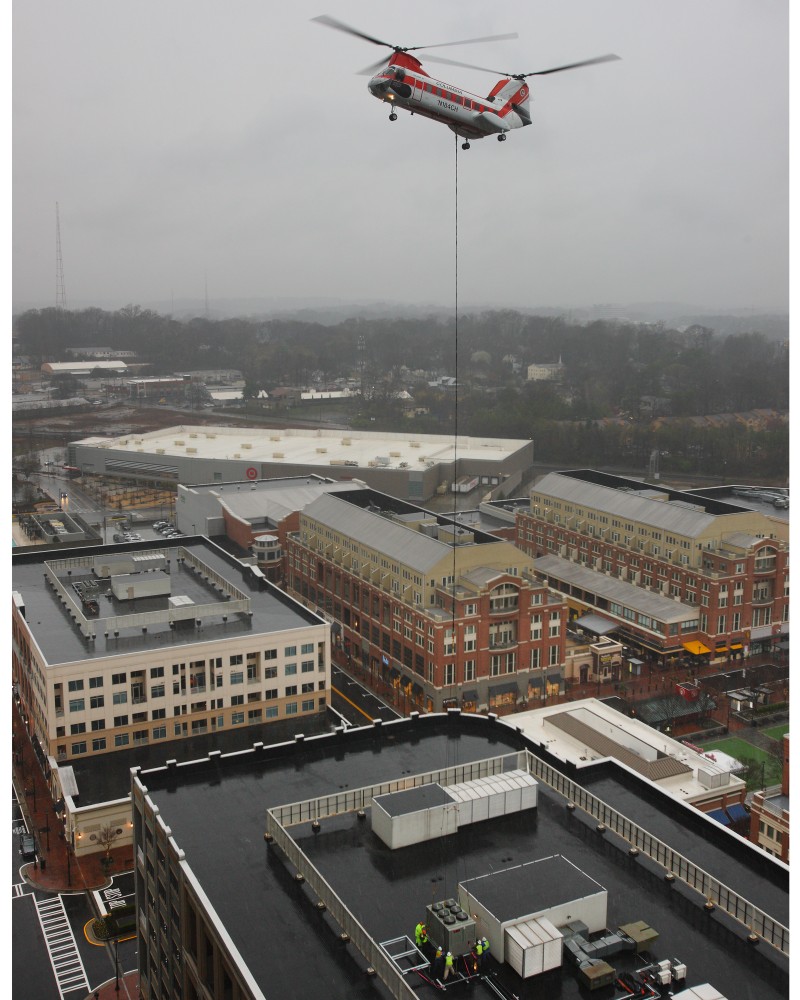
(403, 83)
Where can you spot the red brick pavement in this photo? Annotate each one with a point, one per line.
(128, 989)
(60, 870)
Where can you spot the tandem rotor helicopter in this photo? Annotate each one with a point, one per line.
(403, 83)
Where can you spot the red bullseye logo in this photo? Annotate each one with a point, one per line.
(252, 473)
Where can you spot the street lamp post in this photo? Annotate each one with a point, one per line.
(116, 963)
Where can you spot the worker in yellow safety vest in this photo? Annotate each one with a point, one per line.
(448, 964)
(420, 935)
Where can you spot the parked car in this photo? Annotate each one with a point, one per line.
(119, 538)
(27, 846)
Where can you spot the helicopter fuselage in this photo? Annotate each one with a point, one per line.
(403, 83)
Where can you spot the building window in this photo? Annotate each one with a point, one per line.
(270, 654)
(79, 747)
(237, 718)
(96, 701)
(123, 739)
(76, 704)
(307, 647)
(160, 733)
(469, 670)
(291, 691)
(449, 674)
(237, 677)
(236, 660)
(290, 651)
(95, 682)
(120, 697)
(156, 672)
(75, 685)
(553, 656)
(308, 705)
(271, 712)
(99, 744)
(290, 670)
(291, 708)
(237, 699)
(307, 666)
(98, 725)
(77, 728)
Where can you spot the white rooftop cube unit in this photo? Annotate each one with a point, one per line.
(131, 586)
(493, 795)
(414, 815)
(533, 947)
(703, 992)
(553, 888)
(136, 562)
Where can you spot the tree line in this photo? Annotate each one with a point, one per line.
(611, 369)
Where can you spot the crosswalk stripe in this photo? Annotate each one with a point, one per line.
(62, 949)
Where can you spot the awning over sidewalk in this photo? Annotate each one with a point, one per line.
(736, 645)
(696, 648)
(469, 695)
(720, 816)
(503, 689)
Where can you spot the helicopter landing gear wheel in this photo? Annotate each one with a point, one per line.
(501, 137)
(465, 145)
(393, 117)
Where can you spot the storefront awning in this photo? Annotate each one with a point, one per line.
(469, 695)
(394, 673)
(720, 816)
(736, 645)
(634, 662)
(596, 624)
(535, 683)
(737, 812)
(720, 649)
(417, 691)
(503, 689)
(554, 678)
(696, 648)
(405, 682)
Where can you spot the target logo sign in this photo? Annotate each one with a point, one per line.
(252, 473)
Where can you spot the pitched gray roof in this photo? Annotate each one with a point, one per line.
(680, 517)
(663, 609)
(396, 541)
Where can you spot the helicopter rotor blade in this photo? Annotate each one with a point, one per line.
(522, 76)
(331, 22)
(465, 41)
(373, 69)
(585, 62)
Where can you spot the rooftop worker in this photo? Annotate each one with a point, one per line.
(485, 943)
(479, 954)
(448, 964)
(420, 935)
(437, 967)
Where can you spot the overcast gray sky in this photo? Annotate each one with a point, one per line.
(234, 140)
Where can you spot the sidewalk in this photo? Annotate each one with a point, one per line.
(128, 989)
(60, 870)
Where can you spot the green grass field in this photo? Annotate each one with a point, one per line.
(742, 750)
(776, 732)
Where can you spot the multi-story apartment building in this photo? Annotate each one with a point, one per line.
(724, 566)
(451, 616)
(769, 814)
(128, 645)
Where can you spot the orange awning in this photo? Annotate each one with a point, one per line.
(695, 647)
(736, 645)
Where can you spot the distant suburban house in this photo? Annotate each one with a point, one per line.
(546, 371)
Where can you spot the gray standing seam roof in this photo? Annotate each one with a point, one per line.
(663, 609)
(406, 545)
(666, 515)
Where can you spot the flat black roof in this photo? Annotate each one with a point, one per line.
(531, 887)
(61, 641)
(413, 800)
(217, 814)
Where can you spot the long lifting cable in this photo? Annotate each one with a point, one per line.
(453, 686)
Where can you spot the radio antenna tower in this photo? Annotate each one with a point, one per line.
(61, 295)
